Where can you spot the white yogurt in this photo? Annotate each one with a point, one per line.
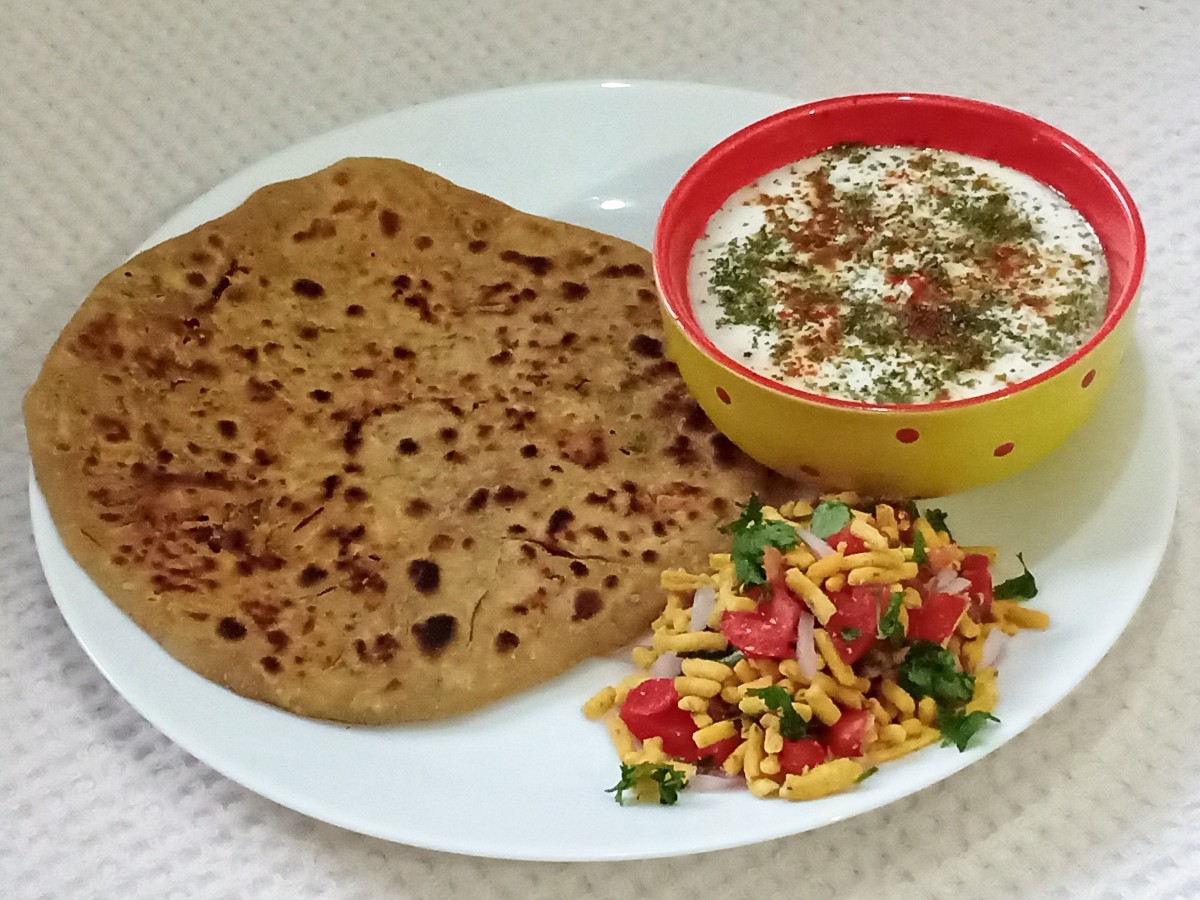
(898, 275)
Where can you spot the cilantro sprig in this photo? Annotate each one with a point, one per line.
(791, 724)
(670, 781)
(890, 626)
(929, 670)
(751, 535)
(1022, 587)
(937, 519)
(919, 554)
(958, 727)
(830, 517)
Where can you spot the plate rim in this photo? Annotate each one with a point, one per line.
(1154, 384)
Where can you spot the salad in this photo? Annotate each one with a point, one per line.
(831, 638)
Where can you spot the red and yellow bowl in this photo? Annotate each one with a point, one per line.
(925, 449)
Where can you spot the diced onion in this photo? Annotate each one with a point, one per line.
(806, 648)
(947, 581)
(703, 602)
(819, 548)
(937, 584)
(957, 586)
(993, 644)
(705, 782)
(666, 666)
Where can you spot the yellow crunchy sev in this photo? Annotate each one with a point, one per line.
(899, 723)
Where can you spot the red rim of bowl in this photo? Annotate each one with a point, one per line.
(1034, 133)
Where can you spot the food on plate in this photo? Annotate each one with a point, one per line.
(830, 639)
(373, 447)
(898, 275)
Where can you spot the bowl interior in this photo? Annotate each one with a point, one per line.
(927, 120)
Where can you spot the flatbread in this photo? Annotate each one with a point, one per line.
(375, 448)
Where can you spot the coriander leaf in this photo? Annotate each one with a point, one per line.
(929, 670)
(669, 779)
(958, 727)
(867, 774)
(919, 554)
(910, 507)
(937, 519)
(1023, 587)
(890, 626)
(851, 634)
(791, 724)
(751, 535)
(729, 658)
(830, 517)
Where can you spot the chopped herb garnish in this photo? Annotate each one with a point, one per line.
(993, 217)
(930, 670)
(721, 656)
(937, 519)
(850, 634)
(830, 517)
(1022, 587)
(740, 280)
(867, 774)
(733, 658)
(751, 535)
(890, 626)
(919, 554)
(791, 724)
(670, 781)
(958, 727)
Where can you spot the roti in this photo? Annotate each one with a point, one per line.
(375, 448)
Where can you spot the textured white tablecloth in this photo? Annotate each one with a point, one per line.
(114, 114)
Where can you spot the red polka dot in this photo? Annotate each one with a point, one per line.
(907, 435)
(1004, 449)
(1089, 377)
(724, 395)
(810, 471)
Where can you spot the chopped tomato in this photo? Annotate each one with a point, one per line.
(652, 710)
(847, 735)
(858, 610)
(796, 756)
(935, 618)
(720, 751)
(767, 632)
(854, 544)
(975, 569)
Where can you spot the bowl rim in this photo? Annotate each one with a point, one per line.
(697, 172)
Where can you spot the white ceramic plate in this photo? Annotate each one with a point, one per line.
(525, 779)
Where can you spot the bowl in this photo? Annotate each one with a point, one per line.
(920, 449)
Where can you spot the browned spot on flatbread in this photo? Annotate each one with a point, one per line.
(435, 633)
(588, 603)
(389, 222)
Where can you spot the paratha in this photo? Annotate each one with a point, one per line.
(373, 447)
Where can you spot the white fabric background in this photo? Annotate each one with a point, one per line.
(114, 114)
